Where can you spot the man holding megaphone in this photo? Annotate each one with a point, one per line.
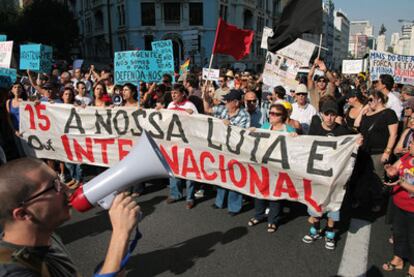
(33, 203)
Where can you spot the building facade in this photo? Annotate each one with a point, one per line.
(341, 39)
(361, 38)
(108, 26)
(381, 43)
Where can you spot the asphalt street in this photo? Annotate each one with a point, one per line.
(208, 242)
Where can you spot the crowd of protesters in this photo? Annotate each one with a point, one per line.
(326, 105)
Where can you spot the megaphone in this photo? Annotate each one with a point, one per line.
(144, 162)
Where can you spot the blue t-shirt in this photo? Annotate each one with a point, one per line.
(288, 128)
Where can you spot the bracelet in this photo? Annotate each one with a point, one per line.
(387, 150)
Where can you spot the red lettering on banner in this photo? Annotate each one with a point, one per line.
(66, 146)
(282, 179)
(46, 126)
(31, 116)
(222, 169)
(261, 184)
(173, 163)
(187, 168)
(243, 173)
(121, 150)
(203, 156)
(88, 153)
(104, 147)
(307, 186)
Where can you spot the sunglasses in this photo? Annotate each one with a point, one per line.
(301, 94)
(55, 184)
(275, 114)
(370, 100)
(251, 101)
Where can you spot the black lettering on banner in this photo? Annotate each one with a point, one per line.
(176, 121)
(257, 137)
(157, 127)
(210, 134)
(126, 122)
(239, 144)
(35, 142)
(48, 145)
(100, 121)
(284, 161)
(313, 156)
(345, 140)
(135, 116)
(78, 122)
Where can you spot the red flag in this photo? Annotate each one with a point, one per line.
(232, 41)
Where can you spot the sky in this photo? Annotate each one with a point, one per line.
(378, 12)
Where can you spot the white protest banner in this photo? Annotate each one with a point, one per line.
(213, 75)
(300, 50)
(352, 66)
(280, 70)
(260, 163)
(398, 66)
(6, 49)
(267, 32)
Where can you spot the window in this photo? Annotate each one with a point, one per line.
(196, 14)
(147, 14)
(223, 12)
(88, 25)
(121, 15)
(172, 13)
(147, 41)
(99, 21)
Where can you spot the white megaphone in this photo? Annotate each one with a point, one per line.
(144, 162)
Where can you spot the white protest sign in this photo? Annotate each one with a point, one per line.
(352, 66)
(308, 169)
(213, 75)
(398, 66)
(280, 70)
(6, 50)
(300, 50)
(267, 32)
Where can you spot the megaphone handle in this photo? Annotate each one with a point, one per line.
(106, 202)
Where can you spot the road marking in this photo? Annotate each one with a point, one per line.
(355, 256)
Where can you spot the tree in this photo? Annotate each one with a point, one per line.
(49, 22)
(382, 30)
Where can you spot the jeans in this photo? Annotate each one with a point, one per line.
(275, 208)
(403, 229)
(177, 187)
(75, 171)
(234, 200)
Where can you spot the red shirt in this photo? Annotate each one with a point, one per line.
(402, 198)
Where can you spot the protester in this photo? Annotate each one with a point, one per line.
(320, 88)
(129, 95)
(81, 98)
(302, 111)
(385, 85)
(356, 101)
(406, 138)
(99, 93)
(33, 204)
(13, 114)
(250, 103)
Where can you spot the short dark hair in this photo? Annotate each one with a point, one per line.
(280, 92)
(192, 79)
(15, 185)
(181, 88)
(378, 95)
(282, 109)
(80, 83)
(387, 80)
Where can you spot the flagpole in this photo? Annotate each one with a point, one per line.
(320, 46)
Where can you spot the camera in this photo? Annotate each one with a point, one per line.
(117, 100)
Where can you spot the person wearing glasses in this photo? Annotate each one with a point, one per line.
(379, 126)
(250, 104)
(33, 204)
(320, 87)
(278, 115)
(302, 111)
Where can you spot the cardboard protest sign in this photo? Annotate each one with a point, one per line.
(6, 50)
(300, 50)
(352, 66)
(36, 57)
(136, 66)
(398, 66)
(262, 164)
(3, 37)
(213, 75)
(166, 60)
(7, 77)
(267, 32)
(280, 70)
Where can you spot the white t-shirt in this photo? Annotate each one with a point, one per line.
(83, 100)
(182, 106)
(394, 103)
(303, 115)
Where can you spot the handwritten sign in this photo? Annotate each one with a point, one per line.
(352, 66)
(300, 50)
(6, 49)
(280, 70)
(166, 60)
(7, 77)
(3, 37)
(213, 75)
(36, 57)
(398, 66)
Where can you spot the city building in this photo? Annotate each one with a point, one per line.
(381, 43)
(341, 39)
(395, 37)
(361, 38)
(405, 42)
(119, 25)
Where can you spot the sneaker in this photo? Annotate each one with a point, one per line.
(199, 194)
(330, 240)
(312, 236)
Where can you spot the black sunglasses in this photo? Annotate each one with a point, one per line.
(301, 94)
(251, 101)
(55, 184)
(275, 114)
(370, 99)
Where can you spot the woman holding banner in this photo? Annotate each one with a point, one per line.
(277, 117)
(100, 95)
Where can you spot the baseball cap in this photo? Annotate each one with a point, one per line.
(234, 94)
(329, 106)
